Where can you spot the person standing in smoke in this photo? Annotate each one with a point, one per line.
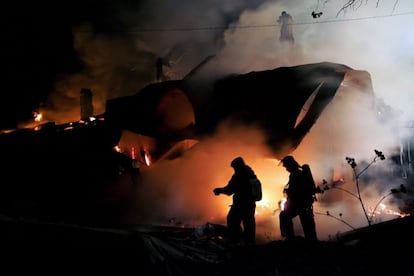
(300, 196)
(243, 209)
(286, 22)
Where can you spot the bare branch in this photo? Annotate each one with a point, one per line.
(355, 4)
(395, 4)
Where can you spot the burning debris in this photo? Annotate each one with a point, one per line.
(92, 172)
(149, 112)
(112, 167)
(369, 215)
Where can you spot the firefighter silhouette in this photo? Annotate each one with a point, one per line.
(242, 211)
(300, 191)
(286, 21)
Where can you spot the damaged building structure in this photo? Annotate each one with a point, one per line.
(72, 172)
(69, 166)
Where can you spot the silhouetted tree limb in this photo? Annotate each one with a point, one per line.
(354, 4)
(337, 218)
(353, 164)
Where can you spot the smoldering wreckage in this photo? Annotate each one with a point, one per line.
(59, 176)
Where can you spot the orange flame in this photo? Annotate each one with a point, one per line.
(282, 204)
(133, 156)
(387, 211)
(37, 116)
(147, 159)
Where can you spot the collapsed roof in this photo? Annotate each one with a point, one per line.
(72, 168)
(273, 100)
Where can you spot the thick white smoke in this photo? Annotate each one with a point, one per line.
(371, 38)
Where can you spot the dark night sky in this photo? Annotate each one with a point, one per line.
(39, 43)
(37, 46)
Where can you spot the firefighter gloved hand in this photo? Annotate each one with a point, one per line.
(216, 191)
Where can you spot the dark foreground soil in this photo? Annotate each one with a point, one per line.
(34, 246)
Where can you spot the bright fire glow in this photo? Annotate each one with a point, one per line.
(282, 204)
(37, 116)
(264, 203)
(384, 210)
(133, 155)
(147, 159)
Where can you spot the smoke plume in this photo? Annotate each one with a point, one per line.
(244, 37)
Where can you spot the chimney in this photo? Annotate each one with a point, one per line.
(159, 72)
(86, 107)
